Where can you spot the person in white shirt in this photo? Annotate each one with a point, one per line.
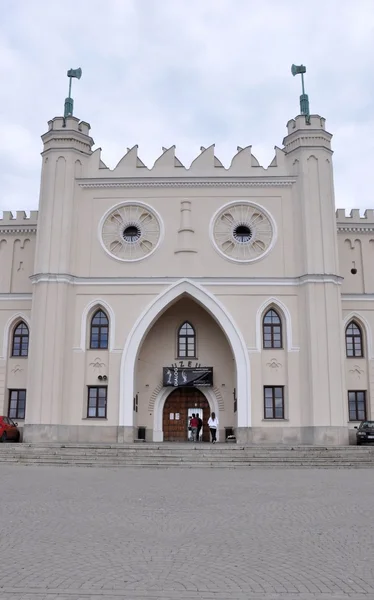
(213, 426)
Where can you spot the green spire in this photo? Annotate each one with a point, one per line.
(304, 100)
(69, 102)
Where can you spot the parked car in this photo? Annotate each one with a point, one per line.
(365, 432)
(8, 430)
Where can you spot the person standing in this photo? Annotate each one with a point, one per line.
(199, 426)
(213, 426)
(194, 423)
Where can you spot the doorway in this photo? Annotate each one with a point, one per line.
(180, 404)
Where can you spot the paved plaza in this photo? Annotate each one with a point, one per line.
(186, 534)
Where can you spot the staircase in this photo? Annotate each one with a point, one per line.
(186, 455)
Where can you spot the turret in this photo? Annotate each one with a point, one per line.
(67, 146)
(308, 150)
(308, 153)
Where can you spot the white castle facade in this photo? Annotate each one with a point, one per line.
(137, 296)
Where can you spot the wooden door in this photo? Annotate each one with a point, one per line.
(175, 421)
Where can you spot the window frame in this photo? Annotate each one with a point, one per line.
(272, 327)
(17, 417)
(185, 338)
(100, 328)
(273, 407)
(21, 337)
(356, 409)
(353, 337)
(96, 406)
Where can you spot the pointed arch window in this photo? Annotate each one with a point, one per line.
(186, 341)
(272, 330)
(353, 340)
(99, 333)
(20, 342)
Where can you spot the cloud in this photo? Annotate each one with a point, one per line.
(186, 72)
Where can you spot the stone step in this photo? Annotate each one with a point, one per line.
(180, 458)
(196, 456)
(205, 464)
(139, 461)
(214, 450)
(176, 459)
(186, 455)
(188, 446)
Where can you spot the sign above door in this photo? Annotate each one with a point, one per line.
(187, 376)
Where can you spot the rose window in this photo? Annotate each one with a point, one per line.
(131, 232)
(243, 231)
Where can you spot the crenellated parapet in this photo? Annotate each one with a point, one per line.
(354, 221)
(206, 164)
(18, 222)
(67, 133)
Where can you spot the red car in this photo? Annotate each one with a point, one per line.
(8, 430)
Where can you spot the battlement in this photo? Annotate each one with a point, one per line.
(244, 163)
(69, 123)
(20, 218)
(68, 133)
(354, 217)
(302, 122)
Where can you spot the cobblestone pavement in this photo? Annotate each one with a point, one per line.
(188, 534)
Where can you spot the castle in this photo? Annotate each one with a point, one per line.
(135, 297)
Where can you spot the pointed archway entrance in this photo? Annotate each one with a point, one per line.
(134, 341)
(179, 406)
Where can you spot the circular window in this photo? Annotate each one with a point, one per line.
(130, 231)
(242, 231)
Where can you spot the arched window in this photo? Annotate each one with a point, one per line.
(99, 330)
(272, 330)
(353, 340)
(186, 341)
(20, 342)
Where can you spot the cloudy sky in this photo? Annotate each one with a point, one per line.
(186, 72)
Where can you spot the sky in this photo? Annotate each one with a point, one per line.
(190, 73)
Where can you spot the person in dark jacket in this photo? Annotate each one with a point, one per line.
(199, 426)
(194, 423)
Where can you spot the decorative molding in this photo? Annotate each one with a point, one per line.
(193, 182)
(274, 364)
(153, 398)
(186, 232)
(357, 370)
(357, 297)
(206, 281)
(356, 229)
(16, 369)
(15, 297)
(220, 401)
(97, 364)
(9, 230)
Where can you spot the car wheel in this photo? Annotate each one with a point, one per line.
(3, 437)
(17, 438)
(359, 442)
